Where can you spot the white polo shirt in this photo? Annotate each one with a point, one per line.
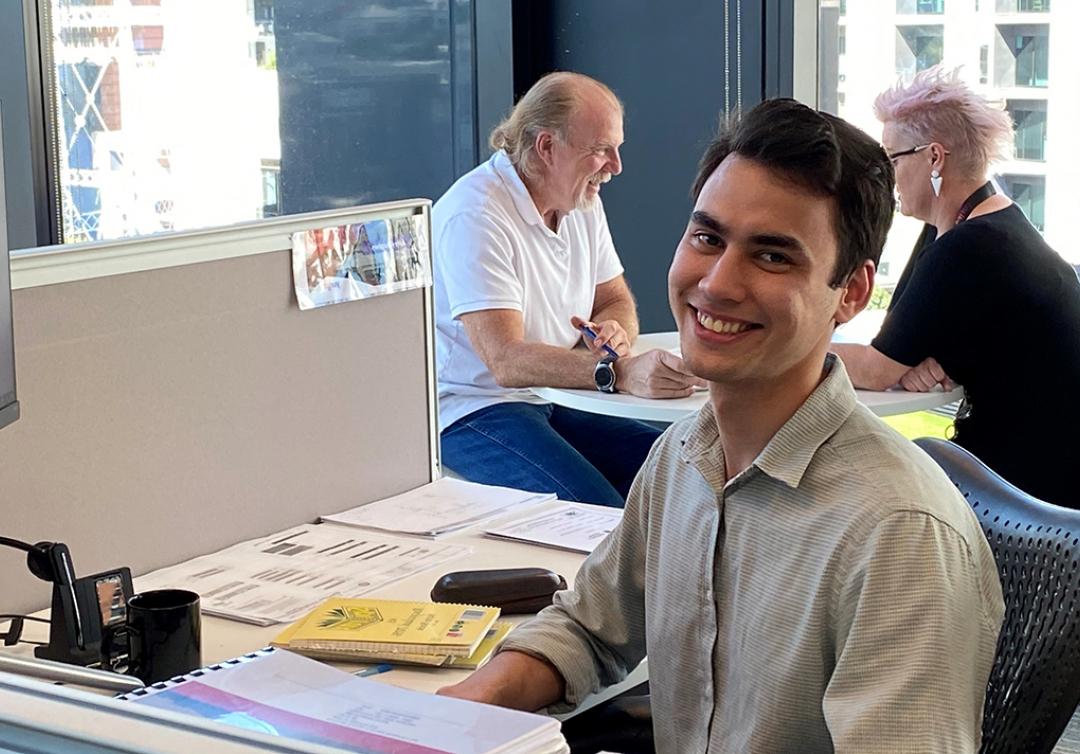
(493, 251)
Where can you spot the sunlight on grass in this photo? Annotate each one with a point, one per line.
(919, 424)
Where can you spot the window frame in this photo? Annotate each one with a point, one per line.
(37, 254)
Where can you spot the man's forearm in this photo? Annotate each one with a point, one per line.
(526, 364)
(512, 679)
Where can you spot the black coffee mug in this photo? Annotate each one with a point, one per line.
(164, 634)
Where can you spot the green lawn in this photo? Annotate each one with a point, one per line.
(919, 424)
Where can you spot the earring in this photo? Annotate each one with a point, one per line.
(935, 182)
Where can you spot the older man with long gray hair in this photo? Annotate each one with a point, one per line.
(524, 263)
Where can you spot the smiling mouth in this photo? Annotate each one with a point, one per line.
(724, 326)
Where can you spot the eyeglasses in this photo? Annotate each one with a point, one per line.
(913, 150)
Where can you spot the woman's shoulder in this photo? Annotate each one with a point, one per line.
(1001, 244)
(994, 232)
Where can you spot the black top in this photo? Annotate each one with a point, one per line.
(1000, 311)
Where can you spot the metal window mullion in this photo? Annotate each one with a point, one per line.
(41, 92)
(738, 54)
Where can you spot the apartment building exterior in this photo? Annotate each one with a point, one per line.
(1018, 52)
(163, 120)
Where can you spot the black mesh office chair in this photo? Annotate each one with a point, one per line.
(1034, 685)
(623, 724)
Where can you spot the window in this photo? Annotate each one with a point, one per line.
(920, 6)
(1029, 119)
(1023, 6)
(1029, 193)
(271, 178)
(918, 48)
(984, 63)
(1022, 55)
(198, 113)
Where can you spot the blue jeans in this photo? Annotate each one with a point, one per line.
(579, 456)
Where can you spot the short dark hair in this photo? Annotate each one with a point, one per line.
(823, 154)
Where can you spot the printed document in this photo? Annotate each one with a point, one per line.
(570, 526)
(283, 694)
(282, 577)
(442, 506)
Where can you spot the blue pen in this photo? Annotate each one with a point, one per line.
(592, 336)
(373, 670)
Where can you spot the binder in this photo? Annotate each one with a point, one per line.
(198, 673)
(279, 692)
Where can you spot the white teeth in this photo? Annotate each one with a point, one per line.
(721, 326)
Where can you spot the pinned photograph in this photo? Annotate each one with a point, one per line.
(361, 260)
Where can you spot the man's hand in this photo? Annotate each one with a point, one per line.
(925, 376)
(655, 374)
(512, 679)
(609, 332)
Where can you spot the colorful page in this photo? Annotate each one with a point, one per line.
(284, 694)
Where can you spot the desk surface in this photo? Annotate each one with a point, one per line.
(882, 403)
(224, 639)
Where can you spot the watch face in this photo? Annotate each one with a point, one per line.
(604, 375)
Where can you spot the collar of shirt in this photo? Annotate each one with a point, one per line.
(788, 454)
(523, 200)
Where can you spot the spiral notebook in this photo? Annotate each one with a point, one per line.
(387, 627)
(280, 693)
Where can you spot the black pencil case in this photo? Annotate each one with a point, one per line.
(514, 590)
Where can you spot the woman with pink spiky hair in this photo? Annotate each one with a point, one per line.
(984, 301)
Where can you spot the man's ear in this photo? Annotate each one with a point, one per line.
(544, 146)
(855, 294)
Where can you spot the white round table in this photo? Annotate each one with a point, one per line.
(882, 403)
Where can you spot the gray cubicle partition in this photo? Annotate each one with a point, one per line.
(174, 411)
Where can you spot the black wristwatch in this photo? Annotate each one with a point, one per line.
(604, 375)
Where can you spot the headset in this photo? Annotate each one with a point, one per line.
(76, 625)
(51, 561)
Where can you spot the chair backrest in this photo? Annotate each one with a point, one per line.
(1034, 685)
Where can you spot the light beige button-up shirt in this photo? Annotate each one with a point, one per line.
(838, 595)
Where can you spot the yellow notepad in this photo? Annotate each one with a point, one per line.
(484, 651)
(388, 627)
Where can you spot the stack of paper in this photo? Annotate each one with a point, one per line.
(280, 578)
(437, 508)
(571, 526)
(283, 694)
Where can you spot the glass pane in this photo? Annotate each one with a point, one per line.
(1026, 6)
(1029, 192)
(918, 48)
(920, 6)
(179, 114)
(1029, 118)
(1006, 61)
(1022, 55)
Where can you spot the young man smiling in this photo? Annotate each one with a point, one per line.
(801, 577)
